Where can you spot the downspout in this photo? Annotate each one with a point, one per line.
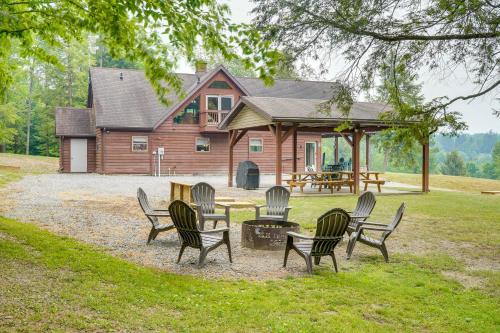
(103, 131)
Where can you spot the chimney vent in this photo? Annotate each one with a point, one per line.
(121, 76)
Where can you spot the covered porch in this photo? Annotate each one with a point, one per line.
(285, 117)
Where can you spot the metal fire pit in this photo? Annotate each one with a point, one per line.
(266, 235)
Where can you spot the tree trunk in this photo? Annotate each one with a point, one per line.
(30, 106)
(386, 160)
(69, 70)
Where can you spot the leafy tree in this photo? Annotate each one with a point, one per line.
(495, 157)
(472, 169)
(438, 35)
(8, 118)
(157, 33)
(454, 165)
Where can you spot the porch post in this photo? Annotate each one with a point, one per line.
(367, 156)
(336, 150)
(230, 173)
(278, 154)
(234, 137)
(425, 166)
(294, 163)
(356, 140)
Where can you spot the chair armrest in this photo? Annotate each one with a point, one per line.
(373, 228)
(373, 223)
(160, 210)
(159, 214)
(300, 236)
(260, 206)
(214, 231)
(223, 205)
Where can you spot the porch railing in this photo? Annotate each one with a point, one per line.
(216, 117)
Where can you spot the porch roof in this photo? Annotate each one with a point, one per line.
(254, 112)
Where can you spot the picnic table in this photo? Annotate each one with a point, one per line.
(320, 178)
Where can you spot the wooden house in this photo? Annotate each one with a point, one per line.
(125, 124)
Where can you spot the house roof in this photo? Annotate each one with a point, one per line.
(75, 122)
(297, 110)
(132, 103)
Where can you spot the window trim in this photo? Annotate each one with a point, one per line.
(219, 102)
(132, 143)
(196, 145)
(250, 145)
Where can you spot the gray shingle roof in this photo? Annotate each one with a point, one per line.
(132, 102)
(75, 122)
(306, 110)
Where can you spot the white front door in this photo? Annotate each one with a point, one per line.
(311, 155)
(78, 155)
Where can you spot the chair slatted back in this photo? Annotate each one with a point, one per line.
(366, 203)
(204, 195)
(330, 228)
(277, 200)
(184, 219)
(146, 207)
(395, 221)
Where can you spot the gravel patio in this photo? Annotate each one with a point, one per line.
(103, 210)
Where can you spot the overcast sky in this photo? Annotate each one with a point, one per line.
(477, 114)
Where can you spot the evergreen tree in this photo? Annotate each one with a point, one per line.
(454, 164)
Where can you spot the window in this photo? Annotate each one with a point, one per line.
(203, 144)
(190, 114)
(216, 103)
(226, 103)
(140, 143)
(256, 146)
(212, 102)
(219, 85)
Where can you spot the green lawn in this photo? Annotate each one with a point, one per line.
(456, 183)
(54, 283)
(440, 279)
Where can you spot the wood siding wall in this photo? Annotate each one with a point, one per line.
(179, 143)
(65, 155)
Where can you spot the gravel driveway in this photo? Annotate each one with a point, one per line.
(103, 210)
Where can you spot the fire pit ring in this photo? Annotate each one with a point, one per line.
(266, 234)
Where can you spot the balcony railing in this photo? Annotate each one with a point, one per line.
(214, 118)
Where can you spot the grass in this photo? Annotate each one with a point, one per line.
(441, 278)
(55, 283)
(456, 183)
(29, 164)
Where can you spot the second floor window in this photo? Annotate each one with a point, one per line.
(190, 114)
(219, 103)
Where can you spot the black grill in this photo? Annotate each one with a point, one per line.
(247, 176)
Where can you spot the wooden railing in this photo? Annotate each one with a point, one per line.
(216, 117)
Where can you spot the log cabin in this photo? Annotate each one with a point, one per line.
(125, 125)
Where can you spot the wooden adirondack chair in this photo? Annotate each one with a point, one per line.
(276, 204)
(364, 207)
(204, 199)
(329, 232)
(184, 219)
(153, 215)
(379, 243)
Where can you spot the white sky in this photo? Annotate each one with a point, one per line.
(477, 114)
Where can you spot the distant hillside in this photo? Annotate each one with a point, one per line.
(471, 146)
